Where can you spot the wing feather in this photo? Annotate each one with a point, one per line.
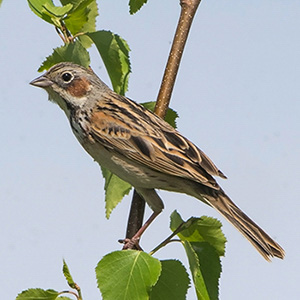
(143, 137)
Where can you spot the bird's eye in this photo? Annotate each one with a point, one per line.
(67, 77)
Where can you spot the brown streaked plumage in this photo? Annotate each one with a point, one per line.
(143, 149)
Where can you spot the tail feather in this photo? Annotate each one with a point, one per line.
(264, 244)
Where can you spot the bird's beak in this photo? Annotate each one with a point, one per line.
(42, 82)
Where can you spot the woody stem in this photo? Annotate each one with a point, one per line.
(188, 10)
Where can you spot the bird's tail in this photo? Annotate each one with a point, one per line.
(264, 244)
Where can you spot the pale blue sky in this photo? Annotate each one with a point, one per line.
(238, 97)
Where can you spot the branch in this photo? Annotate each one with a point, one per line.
(136, 215)
(188, 10)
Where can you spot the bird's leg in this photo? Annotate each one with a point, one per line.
(133, 243)
(153, 200)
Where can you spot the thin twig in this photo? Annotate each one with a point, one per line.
(72, 293)
(60, 35)
(188, 10)
(168, 239)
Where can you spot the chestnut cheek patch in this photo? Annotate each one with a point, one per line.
(79, 87)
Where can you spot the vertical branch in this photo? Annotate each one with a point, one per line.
(135, 219)
(188, 10)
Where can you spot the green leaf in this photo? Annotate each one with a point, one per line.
(171, 114)
(38, 294)
(68, 275)
(75, 3)
(210, 267)
(0, 2)
(135, 5)
(37, 6)
(205, 267)
(173, 282)
(204, 229)
(56, 11)
(115, 190)
(89, 26)
(46, 10)
(127, 274)
(73, 52)
(204, 243)
(201, 289)
(115, 55)
(83, 19)
(77, 17)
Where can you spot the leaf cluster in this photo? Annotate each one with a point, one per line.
(75, 22)
(131, 274)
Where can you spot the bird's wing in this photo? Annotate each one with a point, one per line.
(139, 135)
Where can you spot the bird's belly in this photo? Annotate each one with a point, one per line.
(134, 173)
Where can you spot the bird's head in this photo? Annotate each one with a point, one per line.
(70, 86)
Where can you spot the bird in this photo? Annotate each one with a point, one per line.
(142, 149)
